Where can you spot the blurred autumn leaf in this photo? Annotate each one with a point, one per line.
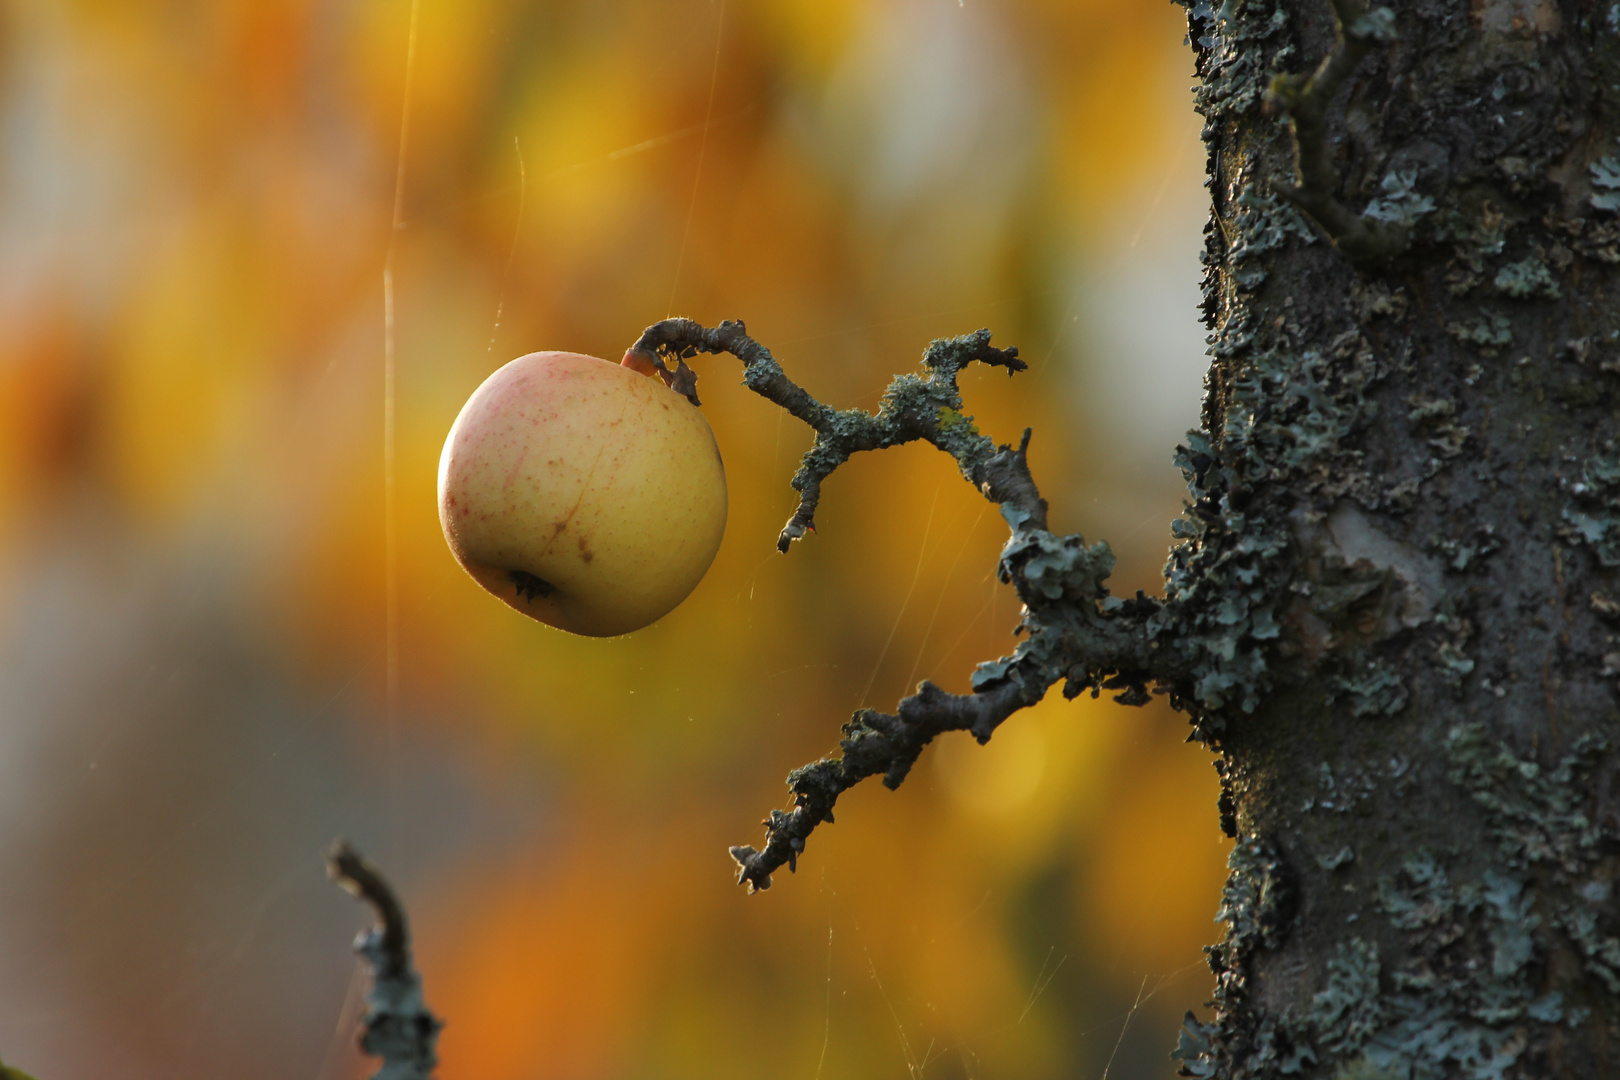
(194, 211)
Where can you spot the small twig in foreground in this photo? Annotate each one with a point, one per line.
(398, 1026)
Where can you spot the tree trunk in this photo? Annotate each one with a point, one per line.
(1404, 533)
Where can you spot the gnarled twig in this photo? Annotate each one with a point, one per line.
(1072, 628)
(914, 408)
(398, 1026)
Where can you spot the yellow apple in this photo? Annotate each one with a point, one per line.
(582, 493)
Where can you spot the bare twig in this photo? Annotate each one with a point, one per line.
(1305, 102)
(398, 1026)
(1072, 629)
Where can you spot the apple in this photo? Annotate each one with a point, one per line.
(582, 492)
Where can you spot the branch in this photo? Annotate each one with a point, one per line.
(913, 408)
(1073, 630)
(1305, 102)
(398, 1026)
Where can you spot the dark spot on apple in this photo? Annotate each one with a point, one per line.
(559, 527)
(585, 552)
(529, 586)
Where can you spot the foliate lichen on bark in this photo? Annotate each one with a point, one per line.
(1464, 423)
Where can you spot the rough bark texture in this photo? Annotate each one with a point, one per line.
(1405, 526)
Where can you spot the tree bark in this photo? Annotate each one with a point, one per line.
(1403, 535)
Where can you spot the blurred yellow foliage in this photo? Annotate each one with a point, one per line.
(196, 206)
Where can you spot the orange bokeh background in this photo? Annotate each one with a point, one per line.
(195, 207)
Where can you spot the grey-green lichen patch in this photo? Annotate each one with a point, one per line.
(1451, 660)
(1259, 898)
(1605, 176)
(1526, 279)
(1362, 1069)
(1592, 513)
(1343, 857)
(1400, 203)
(1454, 664)
(1474, 948)
(1533, 811)
(1436, 418)
(1427, 1028)
(1600, 951)
(1349, 1009)
(1058, 567)
(1419, 896)
(1262, 223)
(1477, 235)
(1286, 415)
(1341, 792)
(1195, 1048)
(1234, 68)
(1538, 820)
(1219, 584)
(1512, 945)
(1061, 576)
(1435, 1016)
(1487, 333)
(1372, 688)
(1461, 553)
(1374, 298)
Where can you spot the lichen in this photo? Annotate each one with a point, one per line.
(1527, 278)
(1261, 224)
(1488, 333)
(1400, 203)
(1476, 951)
(1258, 900)
(1533, 811)
(1287, 416)
(1235, 72)
(1349, 1009)
(1343, 857)
(1592, 512)
(1436, 418)
(1477, 235)
(1605, 176)
(1446, 977)
(1374, 689)
(1537, 820)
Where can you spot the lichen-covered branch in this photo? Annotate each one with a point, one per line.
(1305, 100)
(1072, 629)
(398, 1026)
(915, 407)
